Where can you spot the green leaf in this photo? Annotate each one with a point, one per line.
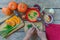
(29, 26)
(5, 30)
(30, 16)
(35, 14)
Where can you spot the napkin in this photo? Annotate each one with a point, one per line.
(53, 32)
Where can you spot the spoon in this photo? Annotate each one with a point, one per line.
(39, 19)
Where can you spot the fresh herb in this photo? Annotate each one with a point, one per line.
(5, 30)
(8, 27)
(29, 26)
(35, 14)
(30, 16)
(38, 26)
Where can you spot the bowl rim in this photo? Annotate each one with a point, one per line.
(50, 20)
(29, 11)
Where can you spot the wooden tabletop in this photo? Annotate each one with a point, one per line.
(19, 35)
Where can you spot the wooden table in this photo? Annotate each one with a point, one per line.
(19, 35)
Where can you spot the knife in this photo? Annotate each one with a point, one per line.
(17, 14)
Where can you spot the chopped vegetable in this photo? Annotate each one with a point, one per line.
(13, 21)
(30, 16)
(10, 22)
(29, 26)
(47, 18)
(8, 27)
(35, 14)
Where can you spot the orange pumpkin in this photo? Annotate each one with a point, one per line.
(6, 11)
(22, 7)
(12, 5)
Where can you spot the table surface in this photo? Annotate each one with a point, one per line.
(19, 35)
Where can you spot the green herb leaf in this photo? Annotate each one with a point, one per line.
(35, 13)
(29, 26)
(30, 16)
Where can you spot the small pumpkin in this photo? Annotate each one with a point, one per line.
(12, 5)
(6, 11)
(22, 7)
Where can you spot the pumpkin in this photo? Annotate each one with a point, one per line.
(22, 7)
(6, 11)
(12, 5)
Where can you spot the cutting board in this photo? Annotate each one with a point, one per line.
(15, 28)
(37, 24)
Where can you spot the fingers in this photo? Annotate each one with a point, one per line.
(37, 30)
(31, 30)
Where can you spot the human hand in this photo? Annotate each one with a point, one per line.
(41, 34)
(29, 33)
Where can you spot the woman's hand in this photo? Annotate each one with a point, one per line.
(29, 33)
(41, 34)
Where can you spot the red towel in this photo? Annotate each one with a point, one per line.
(53, 32)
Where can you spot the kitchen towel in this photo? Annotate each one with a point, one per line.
(53, 31)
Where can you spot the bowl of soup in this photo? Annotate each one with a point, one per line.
(32, 14)
(48, 18)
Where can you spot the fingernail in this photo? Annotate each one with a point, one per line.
(33, 28)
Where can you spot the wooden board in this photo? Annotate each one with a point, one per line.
(2, 16)
(18, 26)
(39, 25)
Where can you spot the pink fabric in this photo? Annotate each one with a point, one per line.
(53, 32)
